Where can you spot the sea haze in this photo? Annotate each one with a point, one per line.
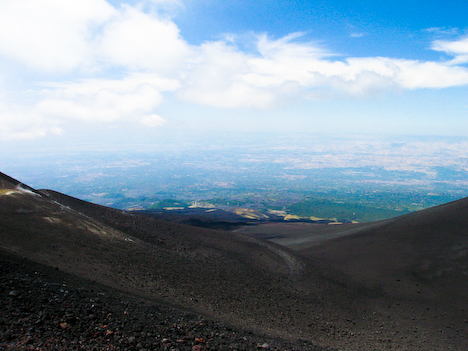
(259, 171)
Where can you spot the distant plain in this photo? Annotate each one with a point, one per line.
(350, 178)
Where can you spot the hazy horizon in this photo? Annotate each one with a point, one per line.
(262, 171)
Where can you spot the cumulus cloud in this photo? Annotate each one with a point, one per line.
(65, 37)
(223, 76)
(215, 79)
(138, 40)
(51, 35)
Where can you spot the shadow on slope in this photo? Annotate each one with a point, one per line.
(423, 253)
(407, 254)
(419, 259)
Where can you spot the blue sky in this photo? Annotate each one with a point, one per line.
(89, 69)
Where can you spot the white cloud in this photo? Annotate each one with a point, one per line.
(153, 121)
(51, 35)
(101, 100)
(63, 35)
(139, 40)
(223, 76)
(28, 133)
(57, 37)
(18, 122)
(457, 48)
(415, 74)
(215, 79)
(134, 98)
(286, 47)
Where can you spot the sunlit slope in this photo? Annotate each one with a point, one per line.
(46, 231)
(231, 277)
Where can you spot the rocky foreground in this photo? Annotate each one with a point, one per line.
(45, 309)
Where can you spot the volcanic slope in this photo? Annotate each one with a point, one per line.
(421, 254)
(236, 279)
(419, 260)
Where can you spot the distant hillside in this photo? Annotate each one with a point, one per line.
(342, 211)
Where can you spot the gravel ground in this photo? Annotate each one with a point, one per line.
(45, 309)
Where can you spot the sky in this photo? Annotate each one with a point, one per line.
(86, 70)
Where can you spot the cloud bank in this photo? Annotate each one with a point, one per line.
(88, 60)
